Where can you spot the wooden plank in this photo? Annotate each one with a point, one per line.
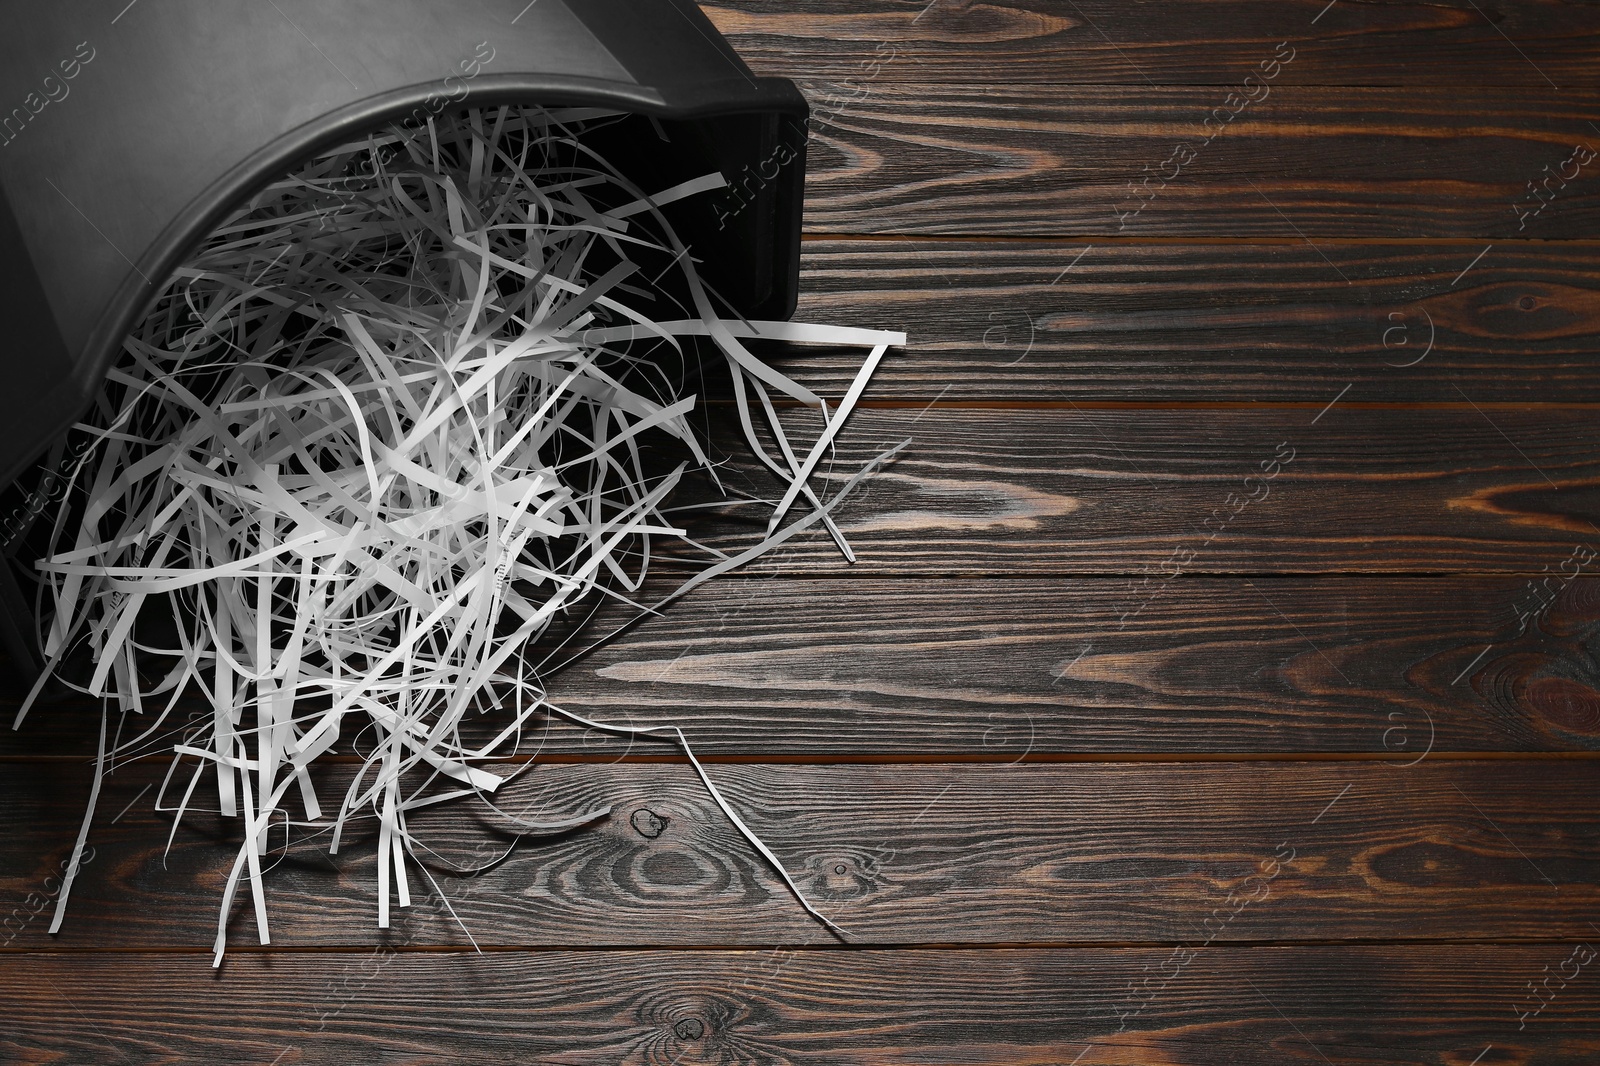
(1034, 42)
(895, 853)
(1002, 670)
(846, 666)
(1156, 492)
(1304, 163)
(1314, 1006)
(1165, 322)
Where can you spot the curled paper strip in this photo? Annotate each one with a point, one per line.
(381, 433)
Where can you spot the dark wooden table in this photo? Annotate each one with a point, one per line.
(1217, 684)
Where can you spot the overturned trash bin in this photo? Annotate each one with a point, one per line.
(130, 140)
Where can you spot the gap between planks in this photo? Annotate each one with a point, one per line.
(824, 236)
(953, 758)
(807, 946)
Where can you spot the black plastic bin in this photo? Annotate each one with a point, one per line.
(127, 132)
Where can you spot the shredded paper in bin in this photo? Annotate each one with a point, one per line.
(383, 431)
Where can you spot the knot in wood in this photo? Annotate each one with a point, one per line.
(649, 824)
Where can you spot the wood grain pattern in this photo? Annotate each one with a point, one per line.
(1169, 322)
(1289, 1006)
(961, 667)
(1305, 162)
(996, 670)
(1167, 42)
(1068, 563)
(897, 854)
(1155, 492)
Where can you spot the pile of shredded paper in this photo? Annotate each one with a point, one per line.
(388, 426)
